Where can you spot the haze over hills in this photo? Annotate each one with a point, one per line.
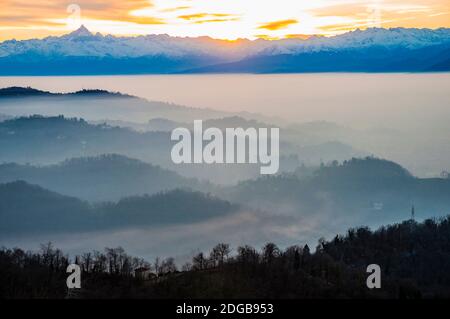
(30, 209)
(103, 106)
(54, 139)
(371, 50)
(362, 190)
(93, 104)
(48, 140)
(103, 178)
(298, 204)
(135, 125)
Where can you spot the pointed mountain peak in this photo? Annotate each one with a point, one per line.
(82, 31)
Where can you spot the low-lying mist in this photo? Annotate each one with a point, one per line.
(184, 241)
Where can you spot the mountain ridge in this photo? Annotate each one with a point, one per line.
(82, 52)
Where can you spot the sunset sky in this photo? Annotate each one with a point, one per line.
(224, 19)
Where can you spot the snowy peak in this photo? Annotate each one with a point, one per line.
(363, 39)
(82, 42)
(176, 54)
(82, 31)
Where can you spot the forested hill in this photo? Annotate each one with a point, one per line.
(29, 209)
(107, 177)
(21, 92)
(55, 139)
(368, 188)
(414, 259)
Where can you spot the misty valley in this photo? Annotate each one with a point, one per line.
(236, 146)
(93, 168)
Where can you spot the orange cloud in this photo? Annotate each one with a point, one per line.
(23, 19)
(277, 25)
(197, 16)
(215, 20)
(175, 9)
(22, 13)
(391, 13)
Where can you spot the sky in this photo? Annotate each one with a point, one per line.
(221, 19)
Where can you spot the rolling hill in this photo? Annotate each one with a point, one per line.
(365, 191)
(103, 178)
(27, 209)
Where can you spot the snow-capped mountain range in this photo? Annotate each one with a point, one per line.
(102, 54)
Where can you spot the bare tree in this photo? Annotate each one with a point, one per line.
(186, 267)
(270, 252)
(86, 260)
(247, 255)
(199, 262)
(219, 254)
(168, 266)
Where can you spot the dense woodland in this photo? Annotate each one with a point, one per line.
(30, 209)
(414, 260)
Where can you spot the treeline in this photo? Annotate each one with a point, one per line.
(414, 259)
(42, 274)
